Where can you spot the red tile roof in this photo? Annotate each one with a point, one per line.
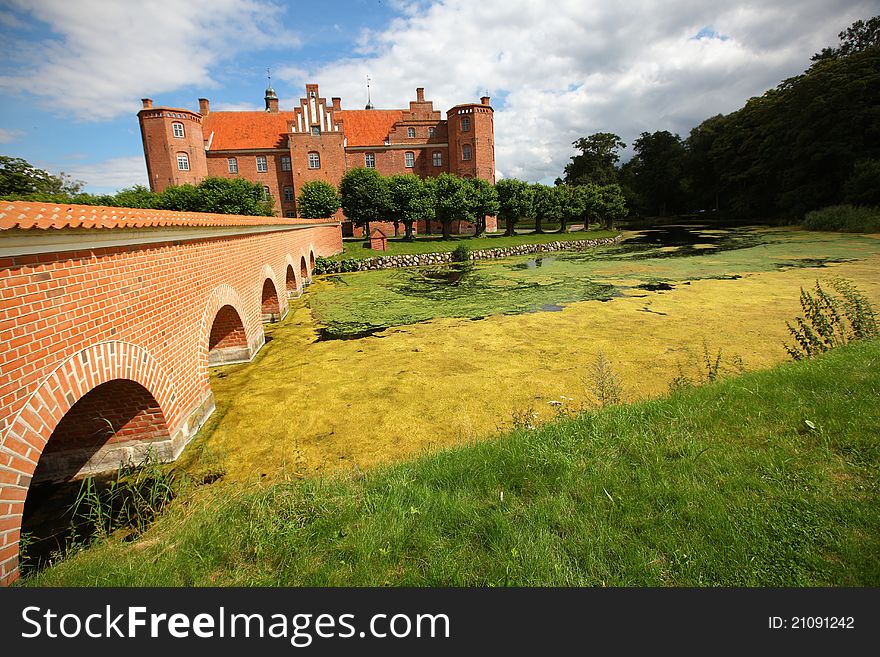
(368, 127)
(245, 130)
(28, 214)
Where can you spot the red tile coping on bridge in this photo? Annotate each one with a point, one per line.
(29, 214)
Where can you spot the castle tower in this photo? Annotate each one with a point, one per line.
(472, 140)
(174, 146)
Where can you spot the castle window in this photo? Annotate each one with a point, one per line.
(314, 161)
(290, 215)
(183, 162)
(266, 192)
(262, 167)
(409, 159)
(370, 160)
(431, 132)
(288, 193)
(177, 129)
(285, 163)
(411, 133)
(316, 130)
(465, 123)
(233, 164)
(438, 159)
(312, 93)
(466, 152)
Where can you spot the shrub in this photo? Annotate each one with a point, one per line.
(830, 321)
(844, 218)
(460, 254)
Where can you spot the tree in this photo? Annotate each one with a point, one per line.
(863, 186)
(597, 161)
(364, 194)
(183, 198)
(858, 37)
(484, 201)
(19, 178)
(132, 197)
(657, 172)
(573, 199)
(452, 201)
(410, 199)
(612, 205)
(233, 196)
(317, 200)
(547, 205)
(514, 201)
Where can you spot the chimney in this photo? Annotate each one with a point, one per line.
(148, 103)
(337, 103)
(420, 94)
(204, 106)
(272, 105)
(484, 100)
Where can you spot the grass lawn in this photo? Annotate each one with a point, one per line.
(766, 479)
(354, 248)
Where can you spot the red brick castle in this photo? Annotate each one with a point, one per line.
(317, 140)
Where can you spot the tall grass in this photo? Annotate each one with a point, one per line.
(844, 218)
(767, 479)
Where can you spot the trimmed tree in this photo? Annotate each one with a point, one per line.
(317, 200)
(410, 199)
(547, 205)
(573, 199)
(364, 196)
(484, 201)
(232, 196)
(452, 201)
(612, 204)
(514, 201)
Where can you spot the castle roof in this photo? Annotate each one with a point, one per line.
(368, 127)
(26, 215)
(246, 130)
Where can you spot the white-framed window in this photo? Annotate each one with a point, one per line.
(437, 158)
(290, 215)
(316, 130)
(314, 160)
(432, 131)
(285, 162)
(465, 123)
(370, 160)
(411, 133)
(232, 163)
(266, 192)
(409, 159)
(262, 166)
(182, 162)
(177, 129)
(466, 152)
(288, 193)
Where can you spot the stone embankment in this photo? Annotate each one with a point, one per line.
(326, 266)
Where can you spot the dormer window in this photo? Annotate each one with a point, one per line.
(177, 129)
(411, 133)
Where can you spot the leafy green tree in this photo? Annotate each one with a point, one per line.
(452, 201)
(233, 196)
(863, 185)
(514, 202)
(132, 197)
(858, 37)
(657, 168)
(547, 205)
(317, 200)
(410, 200)
(611, 205)
(365, 197)
(183, 198)
(484, 202)
(597, 161)
(19, 178)
(573, 198)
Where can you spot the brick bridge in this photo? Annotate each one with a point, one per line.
(109, 321)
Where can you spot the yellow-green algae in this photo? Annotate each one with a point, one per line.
(306, 405)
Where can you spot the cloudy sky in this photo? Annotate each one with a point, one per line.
(72, 72)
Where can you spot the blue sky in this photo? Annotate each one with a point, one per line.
(72, 72)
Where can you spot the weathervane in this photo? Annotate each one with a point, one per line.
(369, 100)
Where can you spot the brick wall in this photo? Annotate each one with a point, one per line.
(73, 321)
(274, 178)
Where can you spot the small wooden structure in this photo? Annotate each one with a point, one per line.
(378, 240)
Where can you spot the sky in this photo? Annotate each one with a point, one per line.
(72, 72)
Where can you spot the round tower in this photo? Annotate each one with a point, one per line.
(472, 140)
(174, 146)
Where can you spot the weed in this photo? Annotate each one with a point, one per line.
(709, 368)
(460, 254)
(524, 419)
(831, 321)
(604, 382)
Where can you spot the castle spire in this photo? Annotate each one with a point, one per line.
(369, 100)
(271, 96)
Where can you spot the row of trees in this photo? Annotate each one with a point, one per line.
(366, 196)
(20, 180)
(811, 142)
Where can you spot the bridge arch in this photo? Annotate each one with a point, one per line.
(272, 307)
(223, 332)
(130, 391)
(292, 283)
(304, 271)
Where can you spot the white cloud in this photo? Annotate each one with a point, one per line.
(109, 54)
(109, 175)
(8, 135)
(571, 68)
